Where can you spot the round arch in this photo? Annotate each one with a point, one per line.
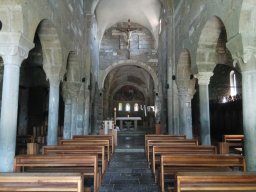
(128, 63)
(184, 73)
(72, 68)
(130, 84)
(208, 40)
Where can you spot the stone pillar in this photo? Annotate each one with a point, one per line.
(157, 108)
(53, 116)
(185, 113)
(53, 74)
(14, 49)
(249, 120)
(203, 81)
(80, 111)
(67, 112)
(86, 112)
(74, 89)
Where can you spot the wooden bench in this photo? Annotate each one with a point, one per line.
(178, 149)
(235, 142)
(104, 143)
(160, 137)
(215, 181)
(85, 164)
(171, 164)
(42, 182)
(21, 143)
(93, 137)
(153, 142)
(78, 150)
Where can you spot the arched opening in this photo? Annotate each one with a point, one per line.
(225, 108)
(130, 89)
(186, 89)
(33, 97)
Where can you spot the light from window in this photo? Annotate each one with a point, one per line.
(136, 107)
(160, 26)
(120, 106)
(233, 90)
(127, 107)
(224, 100)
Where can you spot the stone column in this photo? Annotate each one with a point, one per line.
(86, 112)
(185, 113)
(53, 74)
(80, 111)
(14, 49)
(67, 112)
(157, 108)
(249, 120)
(74, 89)
(53, 116)
(203, 81)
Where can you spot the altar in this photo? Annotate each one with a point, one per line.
(122, 119)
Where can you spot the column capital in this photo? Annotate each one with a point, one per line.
(14, 47)
(53, 72)
(204, 77)
(72, 88)
(187, 94)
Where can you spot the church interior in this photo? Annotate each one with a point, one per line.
(128, 72)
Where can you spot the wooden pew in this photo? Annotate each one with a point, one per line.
(161, 136)
(78, 150)
(21, 143)
(178, 149)
(171, 164)
(229, 138)
(215, 181)
(93, 137)
(234, 142)
(153, 142)
(42, 182)
(104, 143)
(85, 164)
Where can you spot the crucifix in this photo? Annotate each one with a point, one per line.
(128, 35)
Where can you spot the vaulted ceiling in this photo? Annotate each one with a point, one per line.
(143, 12)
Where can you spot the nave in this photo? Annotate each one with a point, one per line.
(131, 160)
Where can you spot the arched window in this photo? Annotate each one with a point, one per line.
(136, 107)
(233, 90)
(127, 107)
(120, 106)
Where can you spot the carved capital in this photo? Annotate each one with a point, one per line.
(204, 77)
(72, 89)
(186, 94)
(53, 72)
(14, 47)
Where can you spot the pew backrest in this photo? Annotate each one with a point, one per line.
(104, 143)
(159, 136)
(100, 137)
(78, 150)
(85, 164)
(215, 181)
(42, 182)
(178, 149)
(174, 163)
(155, 142)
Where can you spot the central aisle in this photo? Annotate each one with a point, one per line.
(128, 169)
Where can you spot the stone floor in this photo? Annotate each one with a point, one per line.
(128, 170)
